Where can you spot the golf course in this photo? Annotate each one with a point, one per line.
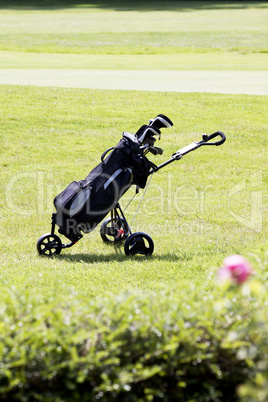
(92, 323)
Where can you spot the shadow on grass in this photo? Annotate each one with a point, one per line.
(120, 256)
(137, 5)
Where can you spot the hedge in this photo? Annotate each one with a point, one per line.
(186, 344)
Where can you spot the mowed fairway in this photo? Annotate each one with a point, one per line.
(171, 46)
(210, 204)
(228, 82)
(157, 36)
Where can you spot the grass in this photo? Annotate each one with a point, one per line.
(170, 35)
(180, 61)
(210, 204)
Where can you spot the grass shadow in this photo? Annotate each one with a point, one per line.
(120, 256)
(138, 5)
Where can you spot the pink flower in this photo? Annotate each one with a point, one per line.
(235, 268)
(224, 275)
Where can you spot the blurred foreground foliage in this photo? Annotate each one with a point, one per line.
(176, 345)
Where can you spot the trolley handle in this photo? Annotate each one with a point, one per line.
(208, 138)
(191, 147)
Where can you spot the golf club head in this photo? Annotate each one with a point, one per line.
(147, 132)
(161, 121)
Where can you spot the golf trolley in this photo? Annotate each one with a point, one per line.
(85, 203)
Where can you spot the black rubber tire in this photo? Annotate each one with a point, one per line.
(139, 243)
(49, 245)
(112, 238)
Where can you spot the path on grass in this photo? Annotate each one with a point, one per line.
(227, 82)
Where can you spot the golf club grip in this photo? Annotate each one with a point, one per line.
(208, 138)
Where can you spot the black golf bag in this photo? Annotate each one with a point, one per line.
(83, 204)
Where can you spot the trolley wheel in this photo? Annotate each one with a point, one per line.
(139, 243)
(113, 233)
(49, 245)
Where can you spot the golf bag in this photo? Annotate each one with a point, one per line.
(84, 204)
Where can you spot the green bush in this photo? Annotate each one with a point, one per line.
(178, 345)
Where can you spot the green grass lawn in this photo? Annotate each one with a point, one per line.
(217, 60)
(210, 204)
(169, 35)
